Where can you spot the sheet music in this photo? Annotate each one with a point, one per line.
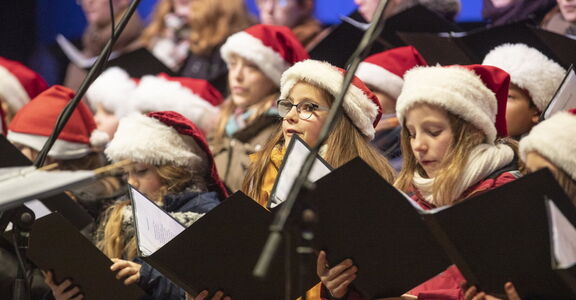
(75, 56)
(291, 168)
(154, 226)
(563, 237)
(565, 97)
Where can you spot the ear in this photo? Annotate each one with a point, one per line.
(535, 118)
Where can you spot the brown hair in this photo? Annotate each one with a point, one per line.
(344, 143)
(111, 239)
(466, 138)
(210, 21)
(567, 183)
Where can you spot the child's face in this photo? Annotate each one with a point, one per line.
(431, 136)
(248, 84)
(307, 129)
(280, 12)
(105, 120)
(535, 161)
(521, 115)
(144, 178)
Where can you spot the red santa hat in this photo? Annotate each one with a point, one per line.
(112, 89)
(360, 104)
(196, 99)
(475, 93)
(554, 139)
(384, 71)
(34, 123)
(529, 69)
(161, 138)
(2, 122)
(272, 48)
(19, 84)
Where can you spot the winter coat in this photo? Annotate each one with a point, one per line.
(519, 10)
(555, 22)
(446, 285)
(232, 154)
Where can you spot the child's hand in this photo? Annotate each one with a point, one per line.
(472, 293)
(62, 291)
(128, 270)
(218, 296)
(338, 278)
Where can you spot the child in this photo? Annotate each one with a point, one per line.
(256, 58)
(108, 97)
(172, 166)
(551, 145)
(383, 73)
(452, 120)
(534, 79)
(307, 92)
(195, 99)
(18, 84)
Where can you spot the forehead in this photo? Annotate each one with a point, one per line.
(421, 113)
(306, 91)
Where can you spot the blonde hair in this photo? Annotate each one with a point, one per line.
(344, 143)
(465, 138)
(567, 183)
(174, 180)
(210, 21)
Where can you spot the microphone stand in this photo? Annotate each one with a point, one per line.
(278, 226)
(92, 74)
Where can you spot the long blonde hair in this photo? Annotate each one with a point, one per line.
(466, 138)
(344, 143)
(174, 180)
(210, 21)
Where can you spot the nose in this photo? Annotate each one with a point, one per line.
(292, 115)
(419, 144)
(237, 72)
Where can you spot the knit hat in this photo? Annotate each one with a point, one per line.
(112, 89)
(384, 71)
(19, 84)
(554, 139)
(196, 99)
(34, 123)
(529, 69)
(161, 138)
(360, 104)
(476, 93)
(272, 48)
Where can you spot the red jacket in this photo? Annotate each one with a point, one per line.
(446, 285)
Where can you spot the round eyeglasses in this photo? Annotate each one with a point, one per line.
(304, 109)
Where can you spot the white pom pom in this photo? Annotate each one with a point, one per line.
(99, 138)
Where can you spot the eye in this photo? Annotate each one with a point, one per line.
(141, 172)
(308, 107)
(434, 132)
(411, 134)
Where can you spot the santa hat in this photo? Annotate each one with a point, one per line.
(384, 71)
(554, 139)
(529, 69)
(272, 48)
(112, 89)
(34, 123)
(19, 84)
(475, 93)
(161, 138)
(196, 99)
(360, 104)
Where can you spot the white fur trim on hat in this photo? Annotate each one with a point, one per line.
(61, 150)
(158, 94)
(380, 79)
(147, 140)
(11, 90)
(359, 108)
(554, 139)
(529, 69)
(251, 48)
(455, 89)
(111, 89)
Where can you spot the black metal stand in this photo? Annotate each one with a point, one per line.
(278, 226)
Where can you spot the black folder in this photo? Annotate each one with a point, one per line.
(12, 157)
(57, 246)
(140, 62)
(220, 250)
(504, 235)
(472, 47)
(364, 218)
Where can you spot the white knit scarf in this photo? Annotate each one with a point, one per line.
(483, 161)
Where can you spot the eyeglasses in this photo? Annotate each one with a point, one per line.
(304, 109)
